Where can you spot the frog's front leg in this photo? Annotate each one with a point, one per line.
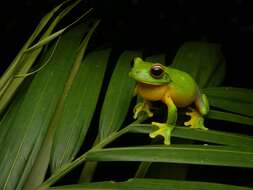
(197, 120)
(142, 107)
(165, 129)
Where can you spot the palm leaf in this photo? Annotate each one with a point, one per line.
(185, 154)
(237, 100)
(22, 63)
(226, 116)
(203, 61)
(118, 96)
(208, 136)
(152, 184)
(30, 124)
(13, 66)
(79, 107)
(160, 58)
(52, 118)
(207, 155)
(7, 120)
(40, 166)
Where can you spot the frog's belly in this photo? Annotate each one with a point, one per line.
(158, 92)
(182, 99)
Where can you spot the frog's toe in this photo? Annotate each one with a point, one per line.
(196, 121)
(137, 110)
(136, 113)
(150, 114)
(164, 130)
(142, 107)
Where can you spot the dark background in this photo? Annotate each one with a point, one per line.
(154, 26)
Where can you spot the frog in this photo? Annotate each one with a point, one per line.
(174, 88)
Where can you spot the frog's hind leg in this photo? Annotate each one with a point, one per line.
(196, 121)
(202, 104)
(202, 108)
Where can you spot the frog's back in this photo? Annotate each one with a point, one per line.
(183, 89)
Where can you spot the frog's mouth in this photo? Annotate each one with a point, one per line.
(158, 83)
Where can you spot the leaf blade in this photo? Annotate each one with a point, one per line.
(42, 162)
(118, 96)
(11, 69)
(203, 61)
(152, 184)
(231, 99)
(207, 155)
(35, 112)
(24, 60)
(78, 112)
(226, 116)
(209, 136)
(160, 58)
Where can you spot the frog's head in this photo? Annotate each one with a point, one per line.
(149, 73)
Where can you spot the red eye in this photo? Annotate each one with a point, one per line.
(157, 71)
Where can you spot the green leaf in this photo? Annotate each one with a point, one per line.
(207, 155)
(16, 62)
(209, 136)
(115, 107)
(7, 120)
(24, 137)
(218, 137)
(79, 108)
(203, 61)
(151, 184)
(56, 34)
(24, 60)
(225, 116)
(40, 166)
(70, 166)
(160, 58)
(237, 100)
(118, 96)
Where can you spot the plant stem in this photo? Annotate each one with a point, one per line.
(89, 167)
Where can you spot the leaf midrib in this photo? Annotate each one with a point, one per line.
(176, 148)
(71, 133)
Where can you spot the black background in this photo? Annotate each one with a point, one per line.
(155, 26)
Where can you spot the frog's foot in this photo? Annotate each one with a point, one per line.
(164, 130)
(196, 121)
(142, 107)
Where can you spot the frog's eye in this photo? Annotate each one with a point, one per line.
(157, 71)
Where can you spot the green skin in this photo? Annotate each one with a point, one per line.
(175, 88)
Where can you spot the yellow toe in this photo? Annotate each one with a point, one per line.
(164, 130)
(196, 121)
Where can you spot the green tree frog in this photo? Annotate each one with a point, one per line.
(175, 88)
